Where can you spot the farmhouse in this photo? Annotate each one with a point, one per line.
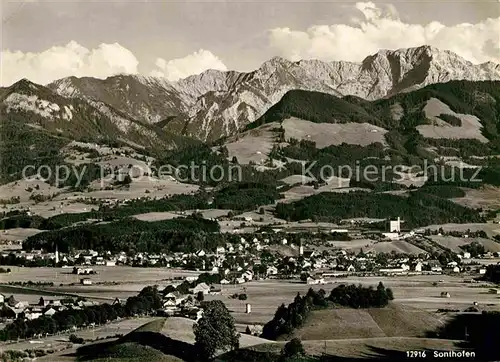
(418, 267)
(202, 287)
(315, 280)
(445, 295)
(86, 281)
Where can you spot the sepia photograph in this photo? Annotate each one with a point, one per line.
(249, 180)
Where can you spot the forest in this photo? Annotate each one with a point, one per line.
(418, 209)
(180, 234)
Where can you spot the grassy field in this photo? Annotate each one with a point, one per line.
(123, 326)
(367, 347)
(470, 128)
(454, 243)
(114, 282)
(327, 134)
(409, 291)
(487, 197)
(393, 321)
(253, 145)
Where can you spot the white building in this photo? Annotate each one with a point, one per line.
(395, 226)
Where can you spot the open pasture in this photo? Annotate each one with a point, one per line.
(395, 320)
(413, 291)
(361, 348)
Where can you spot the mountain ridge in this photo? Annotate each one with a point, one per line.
(216, 103)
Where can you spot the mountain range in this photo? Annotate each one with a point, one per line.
(153, 114)
(215, 103)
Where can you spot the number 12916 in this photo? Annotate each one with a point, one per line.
(415, 354)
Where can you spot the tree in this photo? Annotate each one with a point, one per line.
(242, 296)
(293, 348)
(200, 296)
(169, 289)
(388, 291)
(215, 331)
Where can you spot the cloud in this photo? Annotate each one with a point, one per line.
(382, 28)
(62, 61)
(195, 63)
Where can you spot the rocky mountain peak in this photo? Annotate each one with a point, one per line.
(218, 103)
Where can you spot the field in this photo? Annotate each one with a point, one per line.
(487, 198)
(17, 234)
(398, 246)
(409, 292)
(454, 243)
(264, 296)
(362, 348)
(327, 134)
(491, 229)
(253, 145)
(393, 321)
(471, 125)
(116, 282)
(65, 201)
(119, 327)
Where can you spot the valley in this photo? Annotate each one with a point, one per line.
(347, 209)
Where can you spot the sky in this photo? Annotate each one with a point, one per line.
(47, 40)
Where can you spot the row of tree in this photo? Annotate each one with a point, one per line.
(147, 301)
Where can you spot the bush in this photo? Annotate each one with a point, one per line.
(73, 338)
(293, 348)
(242, 296)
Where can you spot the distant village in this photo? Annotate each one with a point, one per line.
(254, 258)
(239, 263)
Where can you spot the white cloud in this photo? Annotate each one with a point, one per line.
(195, 63)
(381, 28)
(106, 60)
(62, 61)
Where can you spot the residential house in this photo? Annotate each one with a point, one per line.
(50, 312)
(224, 281)
(351, 269)
(2, 299)
(202, 287)
(418, 267)
(116, 302)
(271, 270)
(86, 281)
(315, 280)
(33, 313)
(215, 290)
(248, 275)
